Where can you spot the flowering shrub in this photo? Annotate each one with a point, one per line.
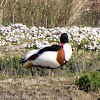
(80, 37)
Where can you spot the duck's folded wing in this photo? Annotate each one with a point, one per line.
(49, 48)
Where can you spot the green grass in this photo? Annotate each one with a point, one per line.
(89, 81)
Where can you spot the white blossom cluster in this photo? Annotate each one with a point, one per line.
(85, 37)
(13, 33)
(80, 37)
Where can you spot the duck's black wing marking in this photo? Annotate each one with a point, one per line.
(50, 48)
(33, 57)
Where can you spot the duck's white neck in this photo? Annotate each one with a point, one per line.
(68, 51)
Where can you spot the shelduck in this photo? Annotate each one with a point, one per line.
(50, 57)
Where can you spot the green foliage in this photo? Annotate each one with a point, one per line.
(5, 23)
(89, 81)
(34, 47)
(10, 66)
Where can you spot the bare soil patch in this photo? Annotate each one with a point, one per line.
(43, 88)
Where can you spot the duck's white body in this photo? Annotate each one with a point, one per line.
(49, 59)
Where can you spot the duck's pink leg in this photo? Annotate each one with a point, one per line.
(52, 72)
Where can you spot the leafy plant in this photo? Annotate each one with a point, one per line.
(89, 81)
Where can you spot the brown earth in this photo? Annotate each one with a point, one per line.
(43, 88)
